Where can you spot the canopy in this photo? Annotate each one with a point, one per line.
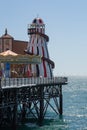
(8, 52)
(12, 57)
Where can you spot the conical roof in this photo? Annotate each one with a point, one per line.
(8, 52)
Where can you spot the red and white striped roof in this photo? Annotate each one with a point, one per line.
(38, 21)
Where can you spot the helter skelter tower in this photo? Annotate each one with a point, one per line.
(37, 45)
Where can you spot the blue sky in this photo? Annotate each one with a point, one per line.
(66, 26)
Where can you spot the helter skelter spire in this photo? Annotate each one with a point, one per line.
(37, 45)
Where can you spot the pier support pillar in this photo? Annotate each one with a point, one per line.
(23, 113)
(14, 119)
(60, 100)
(0, 84)
(41, 112)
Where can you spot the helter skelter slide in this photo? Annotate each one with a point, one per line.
(37, 45)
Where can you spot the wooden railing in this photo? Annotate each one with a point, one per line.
(20, 82)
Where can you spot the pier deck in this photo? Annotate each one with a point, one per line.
(22, 98)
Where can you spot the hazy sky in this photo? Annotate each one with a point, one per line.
(66, 26)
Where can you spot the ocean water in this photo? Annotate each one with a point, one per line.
(74, 109)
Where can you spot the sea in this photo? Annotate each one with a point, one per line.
(74, 109)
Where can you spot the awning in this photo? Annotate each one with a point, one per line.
(14, 58)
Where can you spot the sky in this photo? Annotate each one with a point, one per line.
(65, 24)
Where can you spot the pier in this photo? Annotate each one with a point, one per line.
(27, 83)
(22, 98)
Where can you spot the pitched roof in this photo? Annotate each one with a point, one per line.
(6, 35)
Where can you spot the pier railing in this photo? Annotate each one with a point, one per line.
(21, 82)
